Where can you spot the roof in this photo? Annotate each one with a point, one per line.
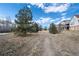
(77, 16)
(5, 22)
(65, 22)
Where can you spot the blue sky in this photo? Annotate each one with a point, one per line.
(43, 13)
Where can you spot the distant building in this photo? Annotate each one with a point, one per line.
(74, 23)
(5, 25)
(64, 25)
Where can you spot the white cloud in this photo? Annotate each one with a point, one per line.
(47, 20)
(44, 20)
(53, 7)
(39, 5)
(28, 6)
(63, 14)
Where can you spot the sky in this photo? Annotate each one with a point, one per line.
(43, 13)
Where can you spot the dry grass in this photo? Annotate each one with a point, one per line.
(65, 43)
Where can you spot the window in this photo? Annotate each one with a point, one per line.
(78, 21)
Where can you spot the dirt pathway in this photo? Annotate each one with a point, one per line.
(43, 44)
(63, 44)
(47, 47)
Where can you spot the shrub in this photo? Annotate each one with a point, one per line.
(34, 28)
(53, 29)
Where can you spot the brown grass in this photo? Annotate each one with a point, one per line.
(35, 44)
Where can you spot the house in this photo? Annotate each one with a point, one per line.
(74, 23)
(5, 25)
(63, 25)
(66, 24)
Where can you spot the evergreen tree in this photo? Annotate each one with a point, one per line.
(23, 20)
(53, 29)
(34, 28)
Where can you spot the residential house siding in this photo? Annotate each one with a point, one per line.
(74, 23)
